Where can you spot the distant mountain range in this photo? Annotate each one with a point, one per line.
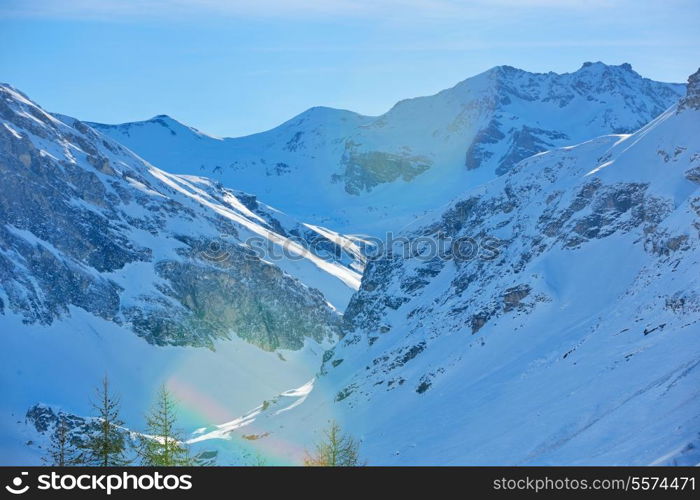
(357, 173)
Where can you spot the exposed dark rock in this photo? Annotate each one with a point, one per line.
(345, 392)
(364, 171)
(423, 386)
(692, 98)
(526, 142)
(513, 296)
(693, 175)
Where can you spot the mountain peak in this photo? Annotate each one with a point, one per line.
(162, 120)
(322, 115)
(502, 71)
(599, 67)
(166, 120)
(172, 126)
(588, 70)
(324, 112)
(600, 64)
(505, 69)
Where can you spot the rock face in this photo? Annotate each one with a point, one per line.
(274, 312)
(371, 174)
(692, 98)
(559, 323)
(365, 171)
(84, 223)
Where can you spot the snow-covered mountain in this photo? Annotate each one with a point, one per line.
(108, 263)
(372, 174)
(574, 340)
(547, 315)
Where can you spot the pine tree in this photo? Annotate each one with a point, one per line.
(163, 445)
(106, 446)
(336, 450)
(61, 451)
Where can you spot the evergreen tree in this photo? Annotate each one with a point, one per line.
(163, 445)
(106, 446)
(61, 451)
(336, 450)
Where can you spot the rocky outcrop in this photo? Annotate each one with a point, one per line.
(526, 142)
(273, 313)
(692, 98)
(364, 171)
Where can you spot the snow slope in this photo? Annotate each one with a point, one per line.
(362, 174)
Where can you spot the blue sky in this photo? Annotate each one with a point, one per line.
(231, 67)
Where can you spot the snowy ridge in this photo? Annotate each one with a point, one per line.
(372, 174)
